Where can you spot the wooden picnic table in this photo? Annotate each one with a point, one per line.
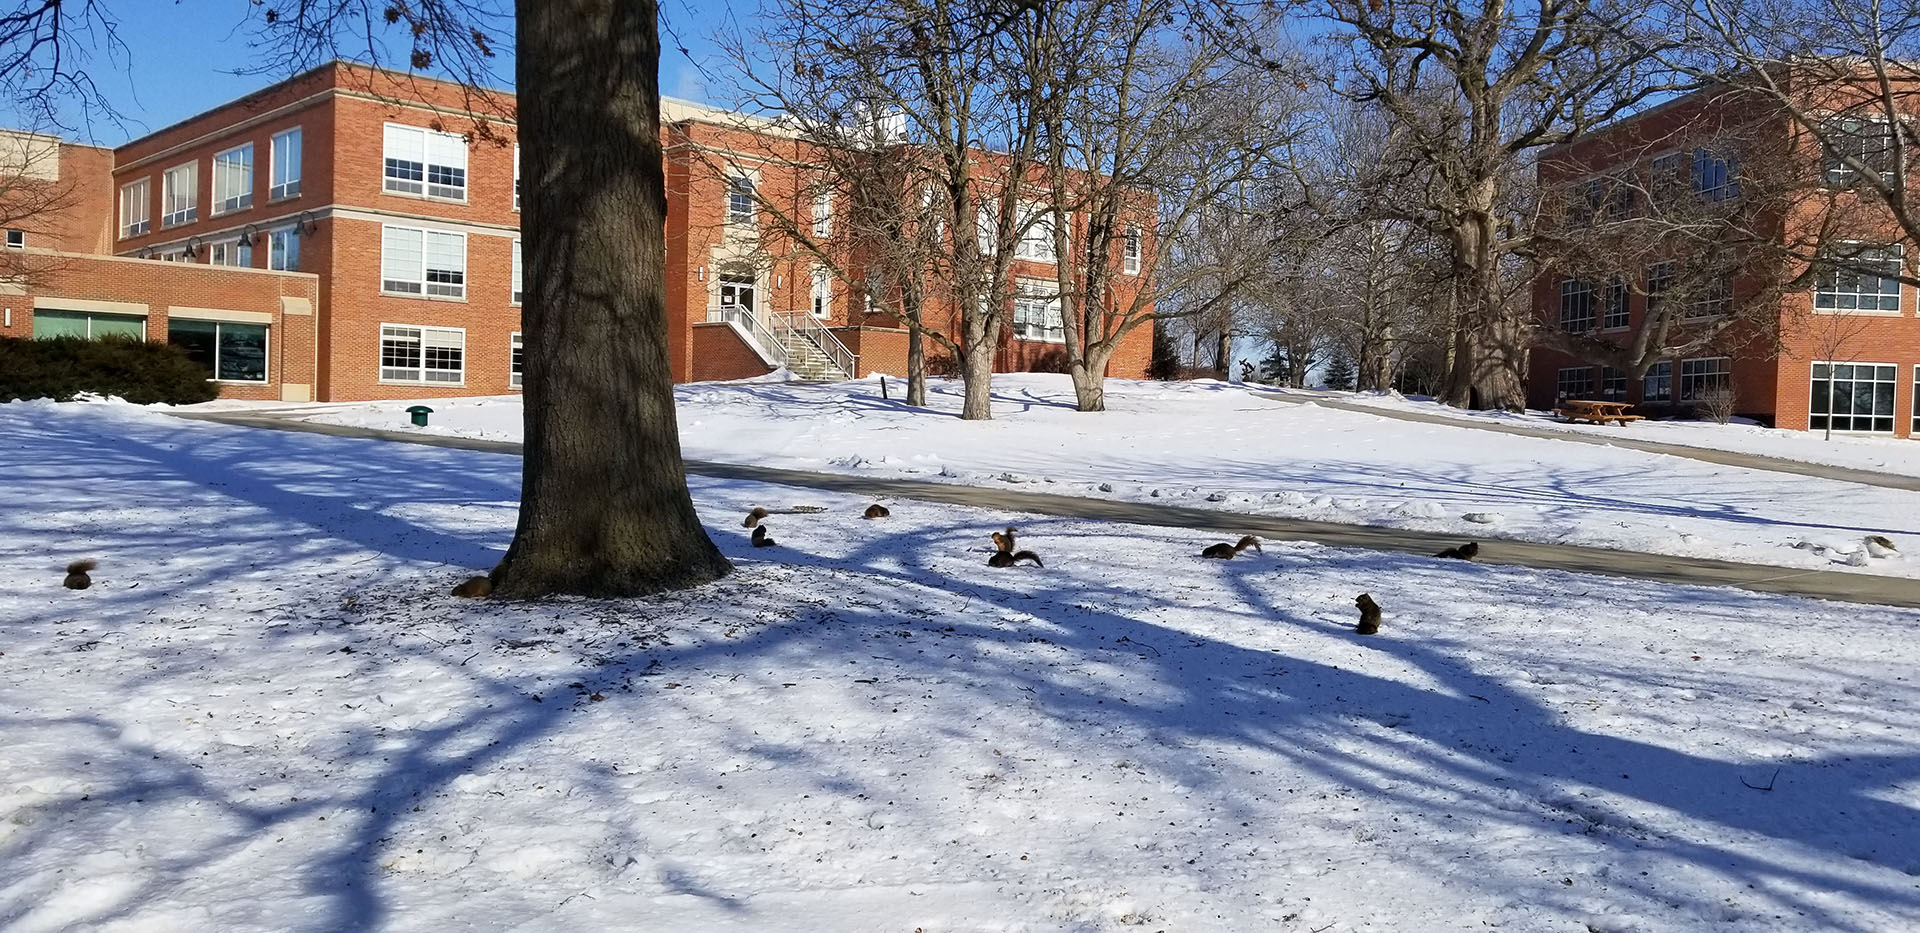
(1596, 411)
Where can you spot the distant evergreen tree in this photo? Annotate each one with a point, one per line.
(1166, 356)
(1273, 368)
(1340, 372)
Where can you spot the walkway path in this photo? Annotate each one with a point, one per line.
(1822, 584)
(1704, 454)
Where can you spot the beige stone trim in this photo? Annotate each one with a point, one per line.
(53, 303)
(289, 305)
(296, 392)
(220, 314)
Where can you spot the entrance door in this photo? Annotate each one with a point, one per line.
(736, 291)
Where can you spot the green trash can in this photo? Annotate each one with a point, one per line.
(419, 413)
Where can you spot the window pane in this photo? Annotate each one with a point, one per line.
(401, 255)
(243, 352)
(50, 324)
(118, 325)
(198, 338)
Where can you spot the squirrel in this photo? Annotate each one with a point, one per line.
(753, 518)
(1009, 558)
(77, 578)
(474, 588)
(1467, 551)
(761, 538)
(1226, 551)
(877, 510)
(1369, 615)
(1003, 542)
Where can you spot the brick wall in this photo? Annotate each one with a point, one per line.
(880, 350)
(720, 354)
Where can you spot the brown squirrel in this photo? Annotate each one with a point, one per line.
(77, 578)
(1003, 542)
(761, 538)
(474, 588)
(877, 510)
(1226, 551)
(1369, 615)
(753, 518)
(1009, 558)
(1467, 551)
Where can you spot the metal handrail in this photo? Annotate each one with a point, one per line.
(763, 339)
(810, 328)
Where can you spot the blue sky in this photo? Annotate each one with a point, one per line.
(184, 58)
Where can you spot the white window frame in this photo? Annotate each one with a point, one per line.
(1836, 175)
(1714, 301)
(284, 168)
(289, 240)
(226, 201)
(820, 294)
(1914, 431)
(519, 287)
(16, 238)
(516, 361)
(1042, 296)
(420, 370)
(1729, 183)
(739, 181)
(135, 194)
(1660, 373)
(1827, 283)
(228, 253)
(1130, 251)
(447, 291)
(177, 209)
(823, 215)
(1036, 234)
(1569, 290)
(987, 219)
(516, 176)
(398, 145)
(1814, 422)
(1688, 386)
(1614, 305)
(1560, 392)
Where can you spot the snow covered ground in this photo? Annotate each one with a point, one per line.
(266, 714)
(1865, 452)
(1214, 445)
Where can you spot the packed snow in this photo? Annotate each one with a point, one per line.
(1217, 446)
(266, 713)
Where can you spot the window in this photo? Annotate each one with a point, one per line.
(1867, 141)
(1852, 397)
(516, 176)
(1916, 402)
(1714, 299)
(823, 215)
(134, 220)
(1698, 376)
(1036, 311)
(283, 250)
(740, 200)
(49, 323)
(233, 180)
(1867, 283)
(1613, 305)
(16, 239)
(422, 354)
(423, 161)
(736, 290)
(1574, 382)
(1613, 384)
(1576, 306)
(236, 253)
(822, 292)
(180, 195)
(1130, 252)
(989, 224)
(517, 290)
(1036, 240)
(1602, 200)
(285, 165)
(516, 361)
(1659, 283)
(423, 262)
(1668, 178)
(1714, 176)
(1658, 384)
(229, 352)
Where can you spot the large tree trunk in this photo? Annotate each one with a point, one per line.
(604, 507)
(1489, 343)
(1089, 374)
(976, 371)
(916, 367)
(1223, 353)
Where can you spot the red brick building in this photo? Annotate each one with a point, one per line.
(352, 233)
(1837, 349)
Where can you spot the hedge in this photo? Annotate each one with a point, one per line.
(139, 371)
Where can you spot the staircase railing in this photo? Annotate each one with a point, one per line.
(762, 338)
(809, 328)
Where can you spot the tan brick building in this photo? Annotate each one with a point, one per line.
(352, 233)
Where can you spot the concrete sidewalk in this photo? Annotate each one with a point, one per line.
(1703, 454)
(1819, 584)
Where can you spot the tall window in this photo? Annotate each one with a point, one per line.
(740, 199)
(822, 292)
(1853, 396)
(1613, 305)
(516, 360)
(283, 250)
(180, 195)
(1613, 384)
(823, 215)
(1715, 297)
(1916, 402)
(1574, 382)
(1576, 306)
(1659, 283)
(1867, 282)
(228, 352)
(234, 253)
(1869, 142)
(1130, 252)
(284, 181)
(423, 161)
(1698, 376)
(1715, 176)
(517, 291)
(516, 176)
(1036, 242)
(1658, 384)
(1036, 311)
(989, 223)
(423, 262)
(233, 179)
(410, 353)
(134, 219)
(1669, 179)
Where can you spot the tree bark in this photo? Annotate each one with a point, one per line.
(1089, 375)
(916, 348)
(977, 372)
(604, 507)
